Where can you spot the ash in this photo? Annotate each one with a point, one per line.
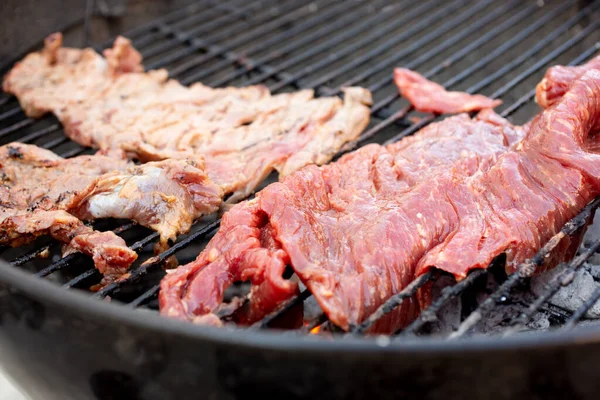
(576, 289)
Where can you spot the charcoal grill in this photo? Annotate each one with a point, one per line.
(60, 341)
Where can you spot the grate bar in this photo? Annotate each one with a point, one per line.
(80, 278)
(193, 46)
(531, 94)
(393, 302)
(324, 31)
(391, 62)
(145, 297)
(450, 292)
(504, 89)
(581, 311)
(335, 40)
(135, 273)
(562, 279)
(526, 269)
(480, 23)
(10, 113)
(39, 133)
(215, 49)
(149, 29)
(265, 44)
(539, 64)
(499, 51)
(264, 323)
(29, 256)
(424, 23)
(245, 35)
(15, 127)
(457, 56)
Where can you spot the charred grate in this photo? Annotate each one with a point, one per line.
(500, 49)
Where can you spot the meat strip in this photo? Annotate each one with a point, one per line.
(324, 223)
(428, 96)
(558, 79)
(43, 193)
(243, 134)
(356, 231)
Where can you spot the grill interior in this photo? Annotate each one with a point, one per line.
(500, 49)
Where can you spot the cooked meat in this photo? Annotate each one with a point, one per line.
(43, 193)
(242, 133)
(342, 227)
(37, 189)
(110, 253)
(166, 196)
(427, 96)
(558, 79)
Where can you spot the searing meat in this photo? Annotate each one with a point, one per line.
(324, 222)
(110, 253)
(242, 133)
(428, 96)
(166, 196)
(38, 187)
(359, 230)
(558, 79)
(43, 193)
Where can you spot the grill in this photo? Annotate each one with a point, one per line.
(500, 49)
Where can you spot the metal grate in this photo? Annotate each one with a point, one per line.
(500, 49)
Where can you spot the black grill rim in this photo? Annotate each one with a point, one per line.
(79, 303)
(380, 344)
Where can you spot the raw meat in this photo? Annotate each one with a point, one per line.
(558, 79)
(428, 96)
(356, 231)
(325, 221)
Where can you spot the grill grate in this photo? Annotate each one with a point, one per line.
(477, 46)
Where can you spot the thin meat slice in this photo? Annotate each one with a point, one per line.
(356, 231)
(243, 133)
(43, 193)
(428, 96)
(528, 195)
(321, 221)
(558, 79)
(109, 252)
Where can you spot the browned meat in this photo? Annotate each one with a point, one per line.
(558, 79)
(243, 133)
(42, 193)
(110, 253)
(427, 96)
(358, 230)
(324, 222)
(166, 196)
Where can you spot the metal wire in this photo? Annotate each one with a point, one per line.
(448, 293)
(347, 24)
(348, 33)
(525, 270)
(393, 302)
(564, 278)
